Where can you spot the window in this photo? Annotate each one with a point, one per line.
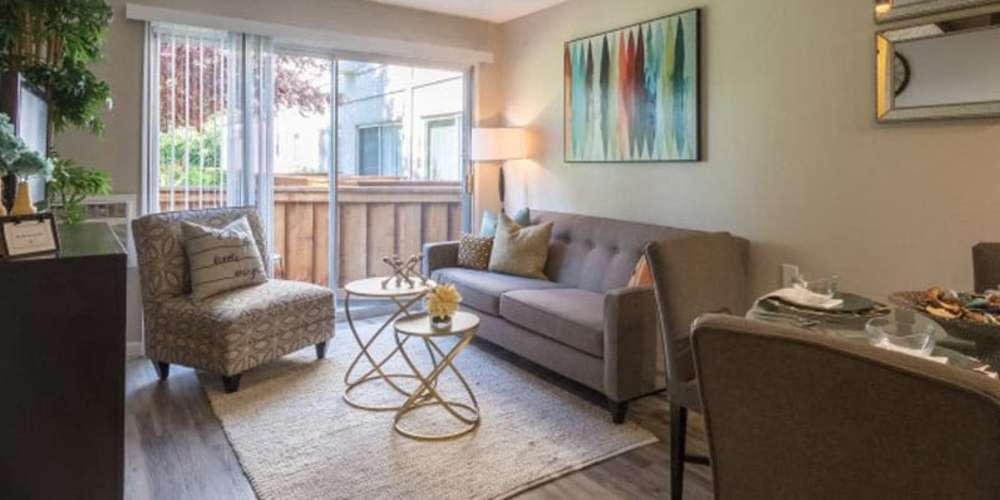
(444, 138)
(207, 97)
(379, 149)
(194, 104)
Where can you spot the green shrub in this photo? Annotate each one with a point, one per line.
(200, 151)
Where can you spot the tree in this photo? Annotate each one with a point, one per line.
(299, 83)
(193, 78)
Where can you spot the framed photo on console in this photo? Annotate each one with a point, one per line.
(27, 235)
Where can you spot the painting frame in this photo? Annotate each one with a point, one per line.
(885, 12)
(693, 87)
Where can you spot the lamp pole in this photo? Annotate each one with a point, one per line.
(501, 188)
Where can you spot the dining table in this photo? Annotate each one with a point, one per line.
(961, 353)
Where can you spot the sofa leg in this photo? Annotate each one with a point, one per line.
(618, 410)
(678, 442)
(321, 350)
(232, 384)
(162, 370)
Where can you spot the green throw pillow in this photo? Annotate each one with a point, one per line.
(521, 251)
(488, 227)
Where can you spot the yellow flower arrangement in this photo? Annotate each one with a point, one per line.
(442, 301)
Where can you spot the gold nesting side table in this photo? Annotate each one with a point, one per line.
(464, 325)
(405, 298)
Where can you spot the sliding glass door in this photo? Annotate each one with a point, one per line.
(347, 160)
(303, 120)
(388, 180)
(208, 106)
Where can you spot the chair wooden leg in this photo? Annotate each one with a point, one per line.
(321, 350)
(162, 370)
(231, 384)
(678, 441)
(618, 410)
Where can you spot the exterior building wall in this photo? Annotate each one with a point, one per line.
(375, 94)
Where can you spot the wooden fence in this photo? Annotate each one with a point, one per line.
(376, 217)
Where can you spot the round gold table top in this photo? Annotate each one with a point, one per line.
(461, 322)
(372, 287)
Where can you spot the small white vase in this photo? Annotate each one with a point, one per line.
(441, 323)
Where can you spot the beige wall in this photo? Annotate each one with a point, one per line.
(794, 160)
(118, 151)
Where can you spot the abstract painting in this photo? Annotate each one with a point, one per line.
(631, 95)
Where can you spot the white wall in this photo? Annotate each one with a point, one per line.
(794, 159)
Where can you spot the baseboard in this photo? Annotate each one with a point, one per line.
(133, 349)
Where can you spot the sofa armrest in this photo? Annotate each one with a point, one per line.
(632, 344)
(439, 255)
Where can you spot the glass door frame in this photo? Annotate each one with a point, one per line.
(467, 177)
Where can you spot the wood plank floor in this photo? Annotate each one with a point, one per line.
(175, 447)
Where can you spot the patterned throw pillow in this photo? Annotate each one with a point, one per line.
(474, 251)
(222, 259)
(521, 251)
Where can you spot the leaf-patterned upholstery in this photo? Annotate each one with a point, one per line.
(231, 332)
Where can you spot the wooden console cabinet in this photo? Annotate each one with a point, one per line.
(62, 370)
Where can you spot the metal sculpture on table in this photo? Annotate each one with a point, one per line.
(404, 271)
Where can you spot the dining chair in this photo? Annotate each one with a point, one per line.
(792, 414)
(692, 276)
(986, 266)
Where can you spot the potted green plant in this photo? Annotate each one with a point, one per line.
(71, 184)
(17, 160)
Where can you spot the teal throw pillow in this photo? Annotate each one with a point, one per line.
(488, 226)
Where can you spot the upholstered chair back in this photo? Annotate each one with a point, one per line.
(986, 266)
(794, 414)
(595, 253)
(692, 276)
(163, 267)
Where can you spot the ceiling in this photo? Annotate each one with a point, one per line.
(497, 11)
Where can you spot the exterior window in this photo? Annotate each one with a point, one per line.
(443, 149)
(379, 151)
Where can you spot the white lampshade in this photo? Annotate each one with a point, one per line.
(497, 144)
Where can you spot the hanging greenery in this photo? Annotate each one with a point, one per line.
(52, 43)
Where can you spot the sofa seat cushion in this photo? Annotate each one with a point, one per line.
(571, 316)
(260, 314)
(481, 290)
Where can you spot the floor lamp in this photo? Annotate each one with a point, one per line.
(499, 145)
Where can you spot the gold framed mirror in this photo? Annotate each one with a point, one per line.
(895, 10)
(941, 69)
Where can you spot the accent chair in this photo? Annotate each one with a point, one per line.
(229, 333)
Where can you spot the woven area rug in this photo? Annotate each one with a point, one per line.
(296, 438)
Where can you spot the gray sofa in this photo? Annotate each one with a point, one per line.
(585, 323)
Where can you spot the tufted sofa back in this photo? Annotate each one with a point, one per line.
(163, 267)
(598, 254)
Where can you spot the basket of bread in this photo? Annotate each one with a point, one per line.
(973, 316)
